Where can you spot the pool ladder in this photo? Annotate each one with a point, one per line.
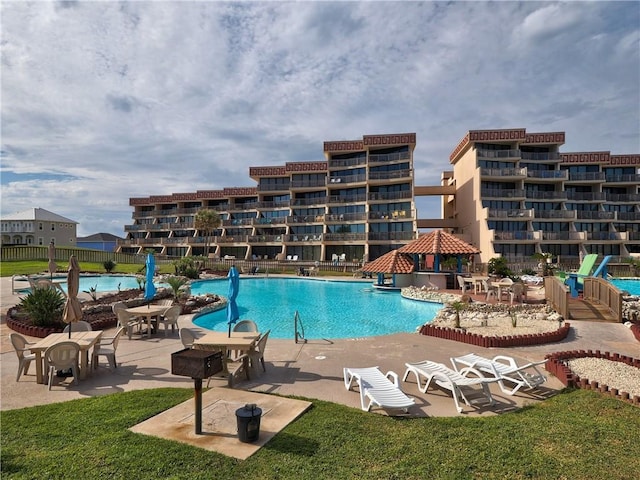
(299, 337)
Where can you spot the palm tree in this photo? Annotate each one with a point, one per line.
(207, 221)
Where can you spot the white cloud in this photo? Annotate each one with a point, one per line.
(105, 101)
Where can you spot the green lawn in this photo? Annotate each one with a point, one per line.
(574, 435)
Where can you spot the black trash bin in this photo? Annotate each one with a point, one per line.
(248, 422)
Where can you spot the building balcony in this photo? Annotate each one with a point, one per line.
(541, 156)
(503, 173)
(623, 198)
(228, 239)
(274, 188)
(542, 195)
(391, 215)
(551, 175)
(242, 207)
(388, 157)
(564, 236)
(346, 199)
(607, 236)
(346, 162)
(514, 214)
(391, 236)
(218, 208)
(599, 215)
(591, 177)
(297, 202)
(265, 238)
(513, 154)
(392, 175)
(348, 179)
(635, 236)
(272, 205)
(377, 196)
(586, 196)
(302, 219)
(516, 236)
(556, 214)
(318, 183)
(269, 221)
(629, 178)
(628, 216)
(345, 237)
(502, 193)
(146, 214)
(238, 221)
(317, 237)
(135, 228)
(345, 217)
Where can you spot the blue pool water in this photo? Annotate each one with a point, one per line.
(103, 283)
(327, 309)
(629, 285)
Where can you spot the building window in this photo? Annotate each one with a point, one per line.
(39, 226)
(53, 227)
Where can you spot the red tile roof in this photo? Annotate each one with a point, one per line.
(391, 262)
(439, 242)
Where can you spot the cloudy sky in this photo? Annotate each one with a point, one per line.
(103, 101)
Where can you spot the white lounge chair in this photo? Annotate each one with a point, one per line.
(505, 369)
(458, 383)
(377, 389)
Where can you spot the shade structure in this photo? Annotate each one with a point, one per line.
(150, 288)
(72, 309)
(391, 262)
(52, 259)
(232, 305)
(439, 243)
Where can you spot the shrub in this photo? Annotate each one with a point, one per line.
(498, 266)
(176, 284)
(109, 265)
(44, 306)
(187, 267)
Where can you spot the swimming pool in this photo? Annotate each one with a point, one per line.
(631, 285)
(327, 309)
(103, 283)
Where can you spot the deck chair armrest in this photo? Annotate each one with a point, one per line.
(467, 370)
(393, 376)
(509, 361)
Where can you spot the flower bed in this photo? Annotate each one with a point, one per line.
(557, 364)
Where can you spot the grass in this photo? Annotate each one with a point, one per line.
(575, 435)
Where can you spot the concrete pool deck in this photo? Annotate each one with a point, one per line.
(312, 370)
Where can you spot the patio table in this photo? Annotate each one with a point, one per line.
(147, 312)
(86, 340)
(214, 341)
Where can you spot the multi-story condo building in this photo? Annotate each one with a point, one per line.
(37, 226)
(513, 193)
(356, 204)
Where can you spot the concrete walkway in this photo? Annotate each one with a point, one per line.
(312, 370)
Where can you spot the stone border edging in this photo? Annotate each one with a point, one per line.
(459, 335)
(557, 365)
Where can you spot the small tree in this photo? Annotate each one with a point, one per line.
(458, 306)
(44, 306)
(109, 265)
(207, 221)
(176, 284)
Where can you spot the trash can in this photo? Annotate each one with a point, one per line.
(248, 422)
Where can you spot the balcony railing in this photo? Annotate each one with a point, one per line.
(623, 197)
(308, 201)
(265, 238)
(269, 221)
(562, 236)
(548, 174)
(278, 204)
(321, 182)
(628, 178)
(305, 219)
(389, 195)
(503, 172)
(345, 237)
(346, 198)
(565, 214)
(587, 177)
(542, 195)
(150, 213)
(391, 236)
(628, 216)
(345, 217)
(347, 162)
(513, 213)
(358, 178)
(238, 221)
(521, 235)
(502, 193)
(390, 175)
(482, 153)
(607, 236)
(232, 239)
(540, 156)
(586, 196)
(311, 237)
(134, 228)
(391, 215)
(274, 188)
(585, 215)
(389, 157)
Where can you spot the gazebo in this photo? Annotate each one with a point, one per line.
(393, 262)
(438, 243)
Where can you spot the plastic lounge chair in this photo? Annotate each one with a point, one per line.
(457, 382)
(377, 389)
(107, 348)
(62, 356)
(187, 337)
(80, 326)
(21, 346)
(574, 280)
(170, 317)
(505, 369)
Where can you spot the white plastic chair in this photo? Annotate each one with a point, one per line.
(107, 348)
(463, 285)
(245, 326)
(170, 317)
(62, 356)
(21, 346)
(127, 321)
(257, 354)
(187, 337)
(80, 326)
(377, 389)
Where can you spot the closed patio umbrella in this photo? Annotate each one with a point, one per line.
(52, 259)
(72, 309)
(150, 288)
(232, 305)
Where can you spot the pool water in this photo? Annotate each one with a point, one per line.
(631, 285)
(103, 283)
(327, 309)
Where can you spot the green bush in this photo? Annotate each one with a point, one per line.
(44, 306)
(187, 267)
(498, 266)
(177, 284)
(109, 265)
